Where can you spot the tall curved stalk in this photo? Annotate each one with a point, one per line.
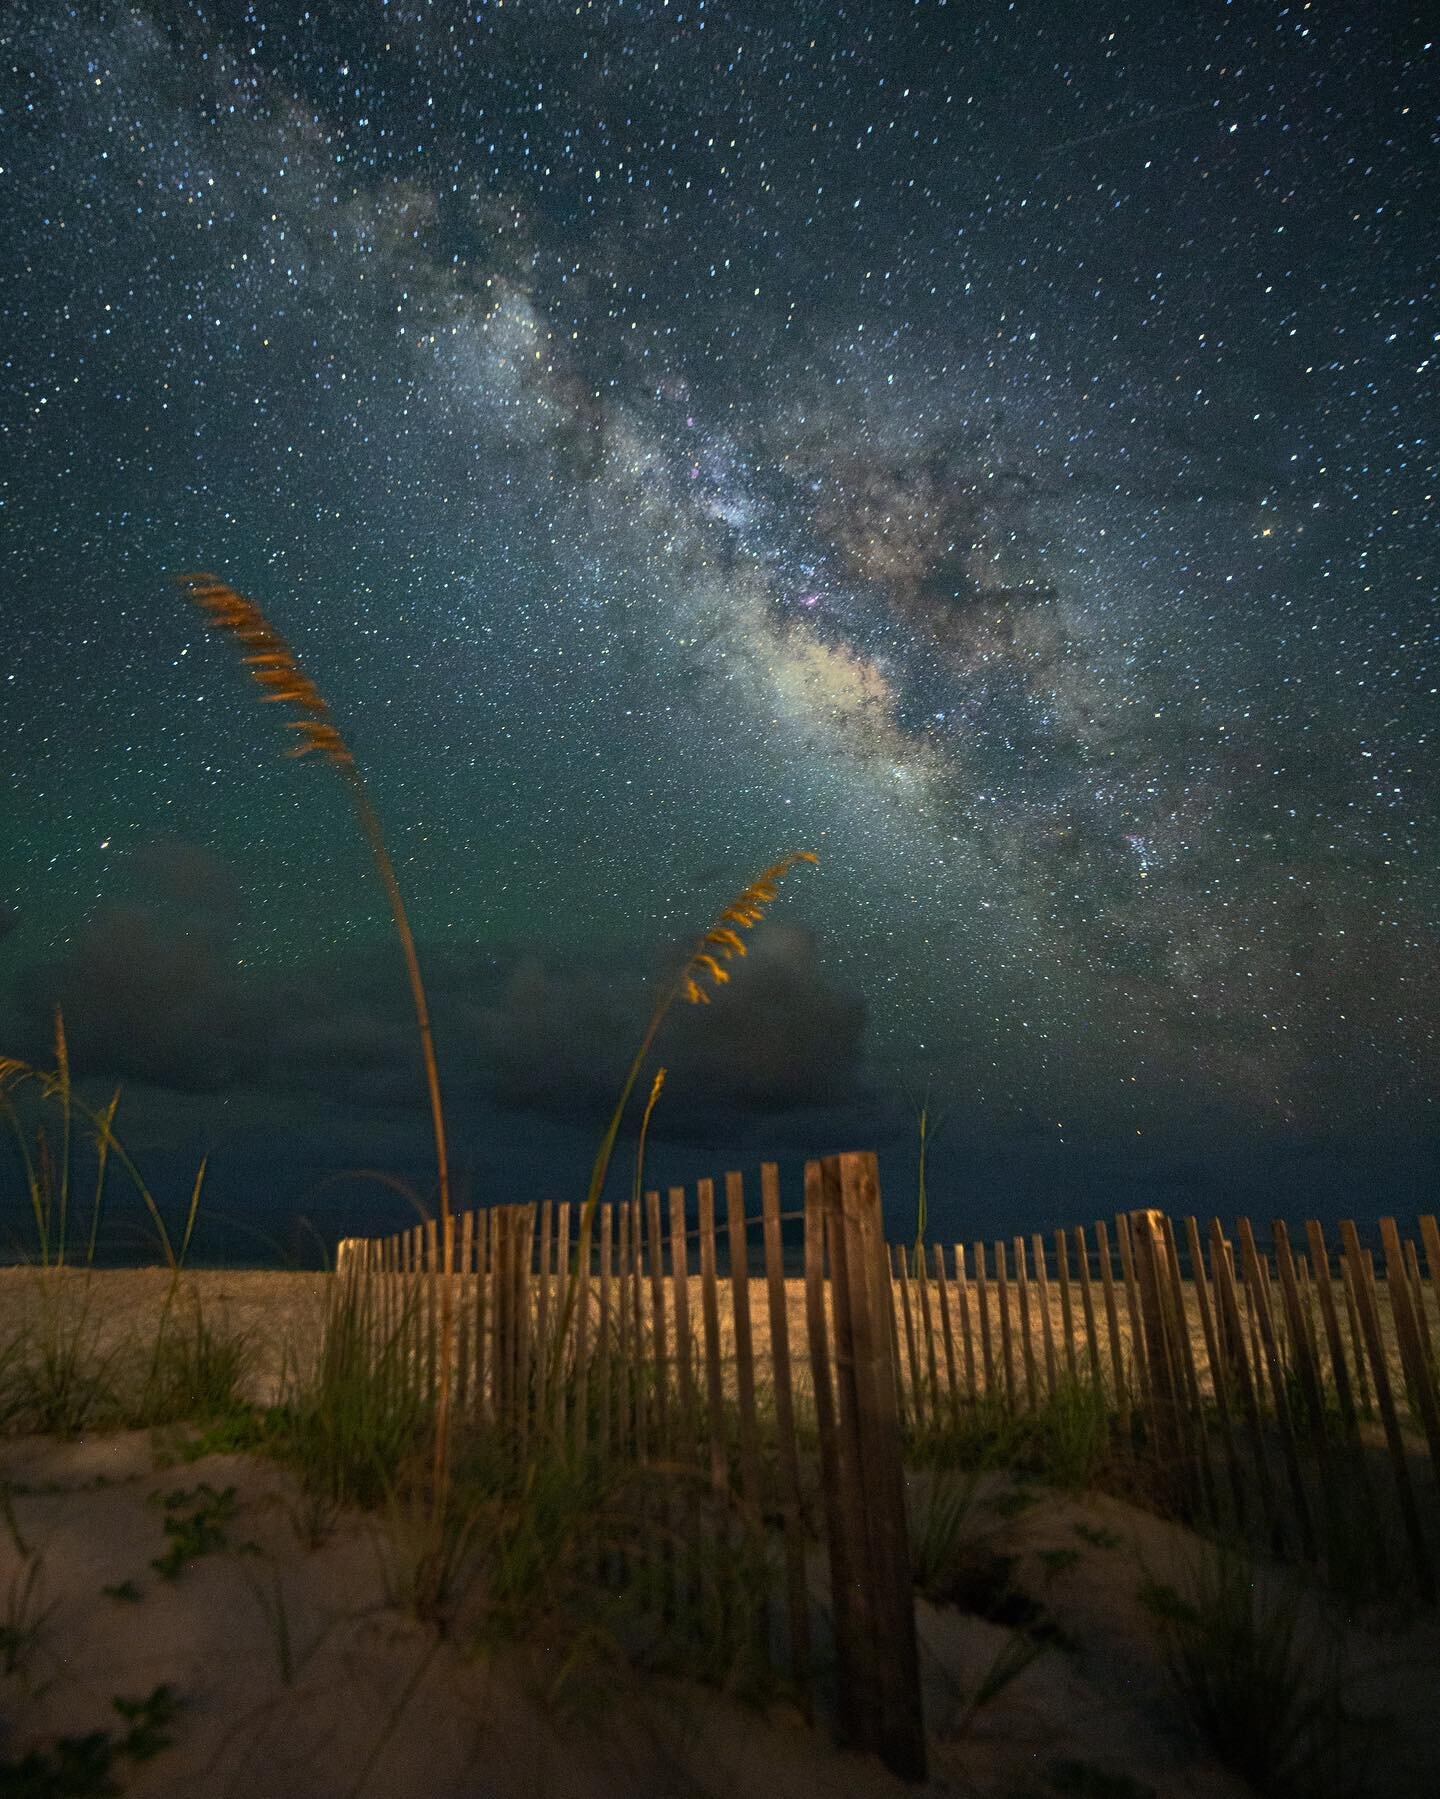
(273, 667)
(704, 968)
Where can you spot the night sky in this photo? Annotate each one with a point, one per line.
(991, 446)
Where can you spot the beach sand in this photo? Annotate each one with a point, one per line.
(298, 1673)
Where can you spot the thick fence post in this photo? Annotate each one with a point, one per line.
(888, 1718)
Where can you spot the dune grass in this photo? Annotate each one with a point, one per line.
(1259, 1678)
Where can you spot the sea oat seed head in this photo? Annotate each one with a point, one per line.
(744, 911)
(271, 663)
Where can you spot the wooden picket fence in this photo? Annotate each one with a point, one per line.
(1290, 1388)
(679, 1347)
(786, 1361)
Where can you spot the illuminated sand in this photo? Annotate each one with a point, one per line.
(317, 1711)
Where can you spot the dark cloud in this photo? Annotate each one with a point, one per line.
(153, 990)
(781, 1037)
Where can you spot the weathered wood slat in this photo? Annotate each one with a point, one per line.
(1042, 1282)
(967, 1333)
(1415, 1364)
(1027, 1343)
(1363, 1288)
(947, 1323)
(786, 1444)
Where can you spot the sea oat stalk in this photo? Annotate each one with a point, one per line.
(656, 1087)
(273, 667)
(704, 968)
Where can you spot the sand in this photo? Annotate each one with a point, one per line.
(354, 1696)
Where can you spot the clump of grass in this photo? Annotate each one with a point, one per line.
(58, 1383)
(543, 1527)
(987, 1434)
(1069, 1435)
(364, 1413)
(1263, 1690)
(943, 1528)
(196, 1373)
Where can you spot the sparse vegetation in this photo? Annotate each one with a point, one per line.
(195, 1525)
(81, 1767)
(1259, 1680)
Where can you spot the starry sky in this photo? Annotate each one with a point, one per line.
(990, 445)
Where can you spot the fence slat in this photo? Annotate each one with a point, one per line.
(868, 1387)
(710, 1310)
(1413, 1361)
(567, 1364)
(1179, 1325)
(659, 1326)
(1430, 1237)
(1232, 1346)
(786, 1446)
(1042, 1281)
(1330, 1321)
(982, 1295)
(605, 1414)
(1258, 1286)
(857, 1713)
(967, 1333)
(942, 1291)
(916, 1386)
(687, 1432)
(1139, 1350)
(1067, 1304)
(1112, 1318)
(1022, 1293)
(1417, 1299)
(1363, 1288)
(744, 1343)
(542, 1291)
(1219, 1372)
(1302, 1357)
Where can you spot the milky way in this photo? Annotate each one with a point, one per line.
(992, 446)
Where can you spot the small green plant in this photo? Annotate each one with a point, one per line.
(1019, 1650)
(1056, 1562)
(275, 1609)
(1012, 1503)
(149, 1720)
(1263, 1690)
(197, 1531)
(125, 1591)
(1098, 1536)
(80, 1767)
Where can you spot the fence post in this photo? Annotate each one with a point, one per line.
(1147, 1259)
(868, 1427)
